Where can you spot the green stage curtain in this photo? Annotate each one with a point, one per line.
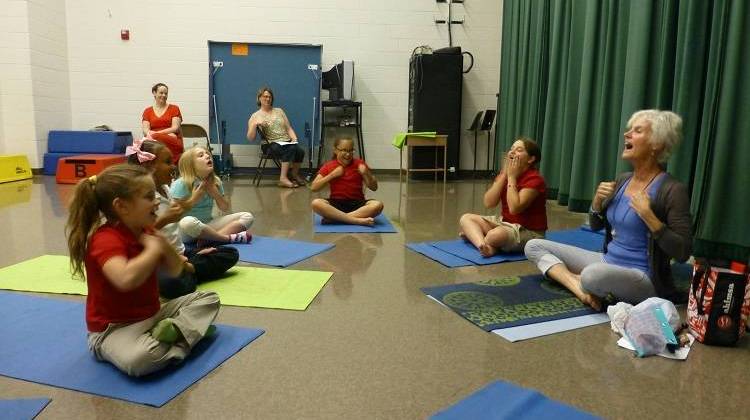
(572, 73)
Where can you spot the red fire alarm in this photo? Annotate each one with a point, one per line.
(125, 34)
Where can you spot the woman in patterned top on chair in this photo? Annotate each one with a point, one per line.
(162, 121)
(276, 129)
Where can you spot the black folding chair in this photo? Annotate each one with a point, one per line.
(265, 154)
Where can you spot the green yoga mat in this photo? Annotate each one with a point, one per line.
(45, 274)
(268, 287)
(243, 286)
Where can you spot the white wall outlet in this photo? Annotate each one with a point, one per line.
(218, 64)
(312, 66)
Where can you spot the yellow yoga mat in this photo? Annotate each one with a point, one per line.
(242, 286)
(268, 287)
(45, 274)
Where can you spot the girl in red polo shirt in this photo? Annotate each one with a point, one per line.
(522, 193)
(127, 325)
(347, 177)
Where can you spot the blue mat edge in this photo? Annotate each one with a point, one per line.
(31, 409)
(479, 260)
(417, 247)
(479, 404)
(344, 228)
(541, 329)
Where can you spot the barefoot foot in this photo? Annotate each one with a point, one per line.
(594, 301)
(286, 183)
(365, 221)
(487, 250)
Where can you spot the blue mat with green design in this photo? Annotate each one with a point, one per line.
(509, 301)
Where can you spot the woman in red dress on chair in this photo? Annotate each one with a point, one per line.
(161, 121)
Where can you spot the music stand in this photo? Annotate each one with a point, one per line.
(475, 127)
(487, 121)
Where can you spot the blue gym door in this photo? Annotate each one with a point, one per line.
(238, 70)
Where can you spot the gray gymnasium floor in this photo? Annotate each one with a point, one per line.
(371, 345)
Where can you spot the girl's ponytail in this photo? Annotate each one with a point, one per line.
(92, 199)
(83, 218)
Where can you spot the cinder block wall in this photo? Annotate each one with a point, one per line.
(70, 68)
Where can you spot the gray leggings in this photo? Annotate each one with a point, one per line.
(597, 277)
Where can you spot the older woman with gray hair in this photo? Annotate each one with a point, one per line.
(646, 217)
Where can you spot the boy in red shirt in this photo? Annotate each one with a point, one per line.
(346, 176)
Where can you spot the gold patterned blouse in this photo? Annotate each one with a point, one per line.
(273, 125)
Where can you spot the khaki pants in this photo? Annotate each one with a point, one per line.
(134, 351)
(520, 234)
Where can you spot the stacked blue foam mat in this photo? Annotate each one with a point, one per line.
(63, 143)
(50, 161)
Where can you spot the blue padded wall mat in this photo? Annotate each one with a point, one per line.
(85, 142)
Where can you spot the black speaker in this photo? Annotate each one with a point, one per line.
(435, 82)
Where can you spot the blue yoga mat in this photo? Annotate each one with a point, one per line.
(509, 301)
(587, 228)
(382, 225)
(585, 239)
(44, 341)
(503, 400)
(460, 253)
(429, 251)
(278, 252)
(22, 409)
(464, 249)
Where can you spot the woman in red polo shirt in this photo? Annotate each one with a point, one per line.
(162, 121)
(522, 193)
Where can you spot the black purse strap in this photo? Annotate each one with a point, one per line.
(704, 278)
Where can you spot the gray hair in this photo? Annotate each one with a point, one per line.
(666, 130)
